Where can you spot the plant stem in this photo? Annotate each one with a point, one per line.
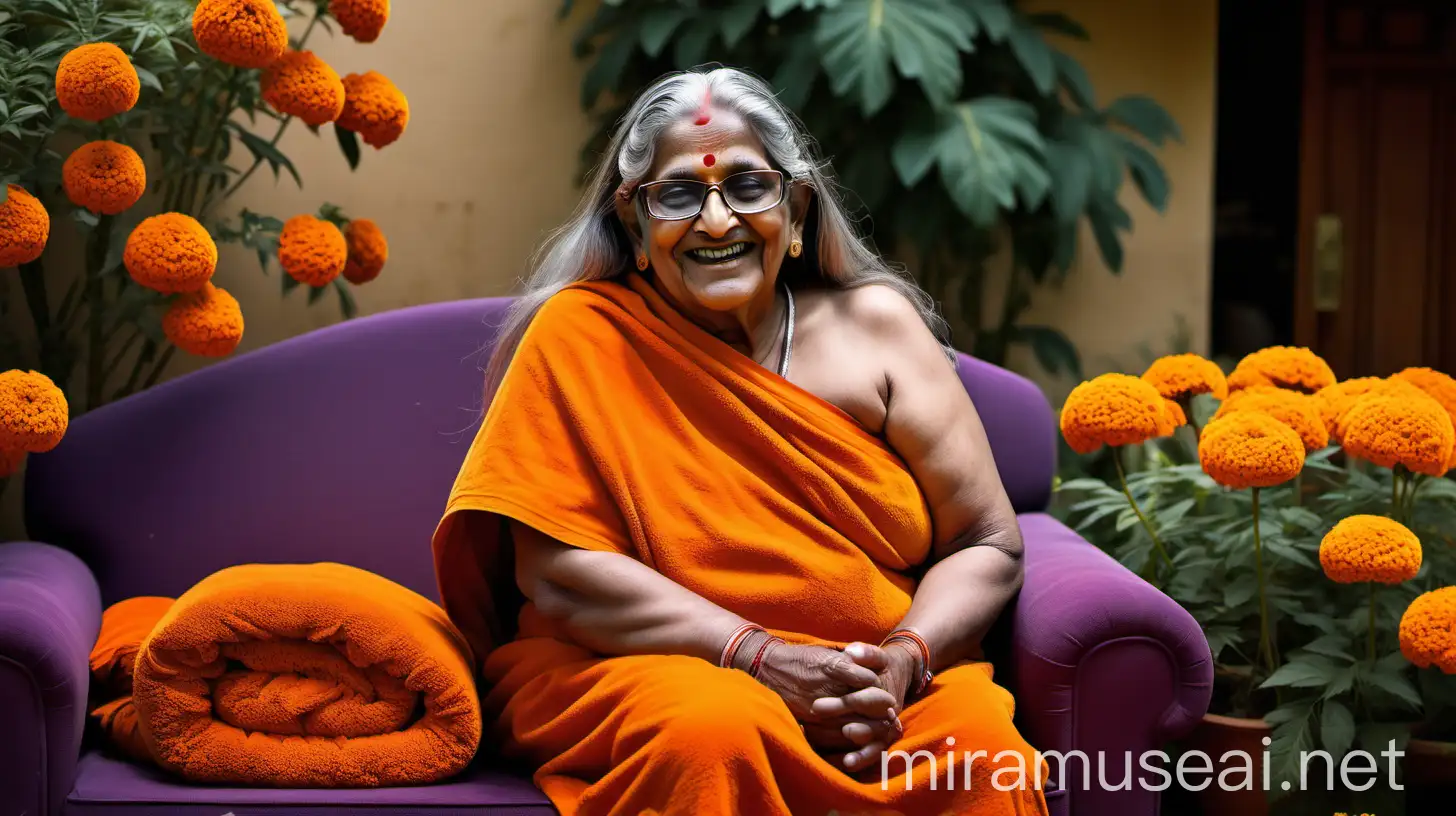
(1371, 644)
(32, 278)
(1147, 525)
(143, 357)
(121, 353)
(1299, 488)
(1395, 493)
(1266, 637)
(160, 367)
(96, 298)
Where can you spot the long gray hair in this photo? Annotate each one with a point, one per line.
(593, 244)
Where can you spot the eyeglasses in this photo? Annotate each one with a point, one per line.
(744, 193)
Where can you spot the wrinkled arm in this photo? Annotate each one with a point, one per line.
(50, 614)
(1102, 661)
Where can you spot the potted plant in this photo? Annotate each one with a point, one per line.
(1317, 570)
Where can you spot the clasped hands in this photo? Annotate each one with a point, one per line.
(848, 701)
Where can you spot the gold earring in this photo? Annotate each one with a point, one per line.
(642, 263)
(795, 249)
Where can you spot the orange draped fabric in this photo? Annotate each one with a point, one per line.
(621, 426)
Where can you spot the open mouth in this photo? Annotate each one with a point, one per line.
(717, 255)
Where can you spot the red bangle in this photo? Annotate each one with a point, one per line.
(925, 677)
(730, 649)
(758, 658)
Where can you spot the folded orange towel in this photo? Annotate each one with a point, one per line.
(290, 675)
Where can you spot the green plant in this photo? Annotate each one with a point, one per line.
(1333, 677)
(959, 126)
(193, 114)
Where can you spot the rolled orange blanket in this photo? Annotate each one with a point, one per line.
(295, 675)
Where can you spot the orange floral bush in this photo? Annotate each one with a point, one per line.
(207, 322)
(1299, 411)
(1370, 549)
(1250, 449)
(245, 33)
(104, 177)
(1428, 630)
(170, 253)
(1113, 409)
(361, 19)
(300, 84)
(1174, 416)
(95, 81)
(33, 412)
(1400, 430)
(1178, 376)
(374, 108)
(368, 251)
(1292, 367)
(25, 226)
(311, 250)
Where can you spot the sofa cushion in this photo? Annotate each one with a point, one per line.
(106, 786)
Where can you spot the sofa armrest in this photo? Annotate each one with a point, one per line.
(50, 614)
(1104, 664)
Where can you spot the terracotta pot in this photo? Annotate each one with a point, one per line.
(1429, 764)
(1216, 736)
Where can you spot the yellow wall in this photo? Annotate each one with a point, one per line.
(1168, 51)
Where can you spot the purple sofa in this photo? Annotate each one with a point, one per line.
(341, 445)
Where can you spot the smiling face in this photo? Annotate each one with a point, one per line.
(720, 260)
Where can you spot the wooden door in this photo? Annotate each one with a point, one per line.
(1377, 244)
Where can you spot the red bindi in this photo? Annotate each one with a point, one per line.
(701, 120)
(703, 117)
(709, 160)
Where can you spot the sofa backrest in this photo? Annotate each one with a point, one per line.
(338, 445)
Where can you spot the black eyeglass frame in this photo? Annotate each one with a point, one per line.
(709, 187)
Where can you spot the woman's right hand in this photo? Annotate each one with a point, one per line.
(801, 674)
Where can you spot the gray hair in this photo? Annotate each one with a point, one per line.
(593, 244)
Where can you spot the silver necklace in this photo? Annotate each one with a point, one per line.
(788, 333)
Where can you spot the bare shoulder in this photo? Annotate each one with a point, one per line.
(876, 308)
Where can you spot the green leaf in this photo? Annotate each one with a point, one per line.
(289, 283)
(1075, 78)
(27, 112)
(738, 20)
(348, 145)
(691, 46)
(1304, 671)
(1035, 57)
(1240, 591)
(658, 25)
(1337, 728)
(1377, 737)
(913, 153)
(1053, 350)
(609, 67)
(924, 39)
(4, 190)
(1394, 684)
(795, 76)
(1071, 173)
(994, 15)
(263, 150)
(1146, 117)
(1147, 173)
(989, 150)
(148, 78)
(1343, 681)
(1174, 513)
(1106, 217)
(778, 8)
(347, 306)
(1330, 646)
(315, 293)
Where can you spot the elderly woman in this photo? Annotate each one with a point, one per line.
(753, 519)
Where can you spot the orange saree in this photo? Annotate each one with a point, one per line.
(622, 426)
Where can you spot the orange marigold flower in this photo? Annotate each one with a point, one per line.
(373, 108)
(1428, 630)
(1175, 415)
(170, 253)
(1370, 548)
(1250, 449)
(208, 322)
(368, 251)
(1400, 430)
(10, 461)
(361, 19)
(312, 250)
(96, 80)
(1336, 400)
(24, 227)
(1113, 409)
(300, 84)
(1293, 367)
(33, 412)
(245, 33)
(1178, 376)
(104, 177)
(1441, 387)
(1299, 411)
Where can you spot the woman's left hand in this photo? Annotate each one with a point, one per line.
(895, 668)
